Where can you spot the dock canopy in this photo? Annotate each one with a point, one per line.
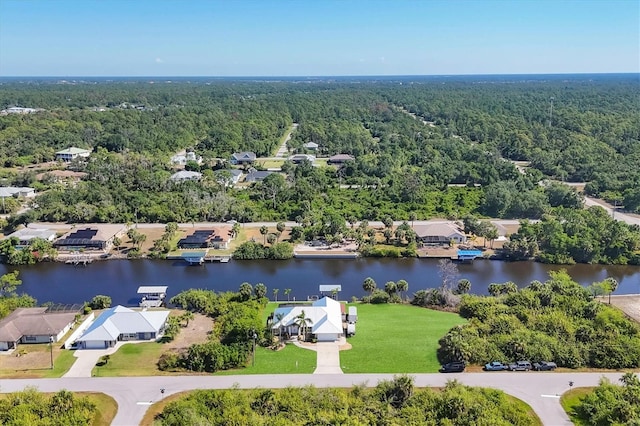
(328, 288)
(152, 289)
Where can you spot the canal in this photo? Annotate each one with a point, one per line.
(61, 283)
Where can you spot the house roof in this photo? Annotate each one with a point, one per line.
(10, 191)
(33, 322)
(437, 229)
(325, 314)
(341, 158)
(26, 234)
(310, 145)
(244, 156)
(186, 174)
(257, 175)
(144, 289)
(74, 151)
(119, 320)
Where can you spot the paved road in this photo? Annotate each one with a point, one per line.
(134, 394)
(627, 218)
(282, 150)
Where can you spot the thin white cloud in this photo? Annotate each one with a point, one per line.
(159, 61)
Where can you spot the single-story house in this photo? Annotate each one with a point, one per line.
(299, 158)
(218, 238)
(439, 233)
(243, 158)
(25, 235)
(257, 175)
(34, 325)
(85, 238)
(123, 324)
(311, 145)
(72, 153)
(340, 159)
(185, 175)
(181, 159)
(325, 317)
(228, 177)
(16, 191)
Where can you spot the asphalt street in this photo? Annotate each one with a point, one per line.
(134, 394)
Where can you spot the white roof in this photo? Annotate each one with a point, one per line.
(325, 314)
(152, 289)
(73, 150)
(310, 145)
(10, 191)
(119, 320)
(26, 234)
(437, 229)
(186, 174)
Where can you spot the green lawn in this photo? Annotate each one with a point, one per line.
(570, 401)
(290, 360)
(394, 338)
(135, 359)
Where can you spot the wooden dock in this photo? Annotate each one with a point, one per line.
(79, 259)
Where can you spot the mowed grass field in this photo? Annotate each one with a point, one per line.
(394, 338)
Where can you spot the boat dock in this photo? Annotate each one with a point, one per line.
(79, 259)
(152, 296)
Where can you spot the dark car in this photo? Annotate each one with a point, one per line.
(453, 367)
(544, 366)
(520, 366)
(495, 366)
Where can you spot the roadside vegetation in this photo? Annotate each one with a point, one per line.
(606, 404)
(394, 401)
(558, 320)
(63, 408)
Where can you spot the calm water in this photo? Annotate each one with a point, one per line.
(61, 283)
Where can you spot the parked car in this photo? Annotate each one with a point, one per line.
(495, 366)
(453, 367)
(520, 366)
(544, 366)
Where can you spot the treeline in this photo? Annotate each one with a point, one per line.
(557, 320)
(394, 401)
(568, 236)
(237, 320)
(9, 298)
(611, 404)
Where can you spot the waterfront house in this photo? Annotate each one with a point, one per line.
(123, 324)
(325, 317)
(246, 157)
(87, 239)
(26, 235)
(34, 325)
(217, 238)
(439, 233)
(72, 153)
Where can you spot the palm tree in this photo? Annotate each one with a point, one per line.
(464, 286)
(264, 231)
(279, 317)
(610, 285)
(235, 230)
(275, 294)
(412, 218)
(287, 291)
(390, 287)
(303, 322)
(280, 226)
(402, 286)
(369, 285)
(187, 316)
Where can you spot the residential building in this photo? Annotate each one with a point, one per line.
(257, 175)
(34, 325)
(72, 153)
(439, 233)
(239, 158)
(185, 175)
(182, 159)
(84, 239)
(15, 191)
(299, 158)
(340, 159)
(311, 145)
(228, 177)
(26, 235)
(123, 324)
(217, 238)
(325, 319)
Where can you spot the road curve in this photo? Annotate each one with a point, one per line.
(134, 394)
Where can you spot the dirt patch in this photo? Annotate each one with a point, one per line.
(629, 304)
(29, 357)
(197, 331)
(254, 233)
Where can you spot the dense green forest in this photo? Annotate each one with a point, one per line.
(411, 139)
(63, 408)
(391, 402)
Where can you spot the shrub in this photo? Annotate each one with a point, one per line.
(379, 296)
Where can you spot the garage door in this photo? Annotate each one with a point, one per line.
(95, 344)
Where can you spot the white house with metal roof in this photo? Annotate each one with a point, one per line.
(123, 324)
(325, 317)
(72, 153)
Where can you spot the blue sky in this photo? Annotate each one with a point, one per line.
(316, 37)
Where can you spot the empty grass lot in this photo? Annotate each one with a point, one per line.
(394, 338)
(290, 360)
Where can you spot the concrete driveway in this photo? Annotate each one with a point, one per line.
(86, 359)
(327, 355)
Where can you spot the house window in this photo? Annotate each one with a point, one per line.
(30, 338)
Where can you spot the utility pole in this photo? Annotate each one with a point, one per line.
(51, 349)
